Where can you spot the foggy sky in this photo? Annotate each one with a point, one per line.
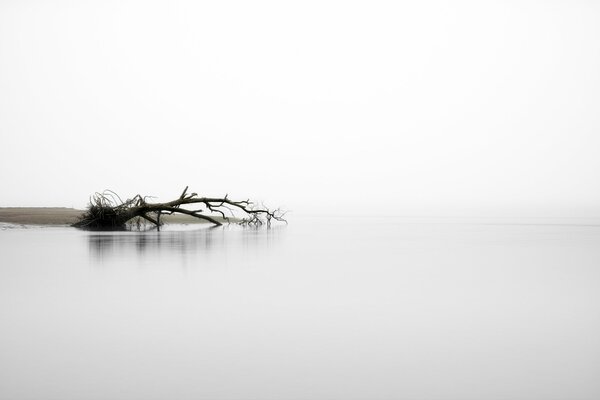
(402, 107)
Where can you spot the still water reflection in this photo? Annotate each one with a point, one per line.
(320, 309)
(178, 241)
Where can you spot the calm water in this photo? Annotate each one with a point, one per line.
(320, 309)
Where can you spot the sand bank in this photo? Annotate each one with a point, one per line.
(39, 215)
(65, 216)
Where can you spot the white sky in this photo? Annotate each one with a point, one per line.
(406, 107)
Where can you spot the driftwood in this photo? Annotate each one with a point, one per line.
(107, 211)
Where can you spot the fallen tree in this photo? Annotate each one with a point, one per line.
(107, 211)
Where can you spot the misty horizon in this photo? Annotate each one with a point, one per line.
(436, 108)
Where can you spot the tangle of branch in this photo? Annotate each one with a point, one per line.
(108, 211)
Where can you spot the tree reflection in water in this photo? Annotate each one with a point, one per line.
(178, 240)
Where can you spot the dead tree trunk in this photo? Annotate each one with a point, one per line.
(107, 211)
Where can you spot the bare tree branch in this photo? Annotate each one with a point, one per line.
(107, 211)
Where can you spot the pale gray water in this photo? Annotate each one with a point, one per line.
(320, 309)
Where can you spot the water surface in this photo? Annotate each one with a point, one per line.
(330, 308)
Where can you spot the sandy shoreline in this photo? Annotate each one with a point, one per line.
(64, 216)
(39, 215)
